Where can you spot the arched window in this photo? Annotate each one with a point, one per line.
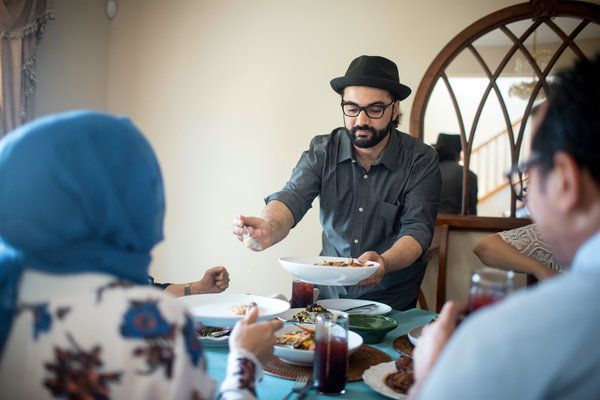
(488, 79)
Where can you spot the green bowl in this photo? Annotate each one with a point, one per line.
(372, 328)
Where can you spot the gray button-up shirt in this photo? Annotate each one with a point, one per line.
(369, 210)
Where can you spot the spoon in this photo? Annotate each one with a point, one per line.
(220, 333)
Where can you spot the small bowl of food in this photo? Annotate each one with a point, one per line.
(333, 271)
(295, 344)
(372, 328)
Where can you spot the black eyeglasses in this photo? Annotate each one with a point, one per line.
(518, 176)
(374, 111)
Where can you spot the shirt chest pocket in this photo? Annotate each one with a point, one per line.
(388, 216)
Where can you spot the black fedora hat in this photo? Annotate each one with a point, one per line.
(450, 140)
(372, 71)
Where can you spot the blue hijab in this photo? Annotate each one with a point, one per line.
(79, 192)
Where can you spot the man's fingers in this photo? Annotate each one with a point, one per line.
(251, 315)
(450, 312)
(275, 324)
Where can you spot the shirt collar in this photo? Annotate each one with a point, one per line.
(586, 258)
(345, 149)
(389, 156)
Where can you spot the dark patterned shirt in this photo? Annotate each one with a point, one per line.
(362, 211)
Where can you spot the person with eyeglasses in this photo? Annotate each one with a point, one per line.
(542, 342)
(378, 189)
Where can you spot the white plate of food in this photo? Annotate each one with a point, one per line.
(306, 315)
(332, 271)
(295, 346)
(366, 306)
(379, 378)
(225, 309)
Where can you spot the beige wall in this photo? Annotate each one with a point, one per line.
(72, 67)
(230, 93)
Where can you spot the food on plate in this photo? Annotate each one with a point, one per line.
(316, 308)
(303, 339)
(212, 331)
(402, 380)
(309, 315)
(240, 309)
(351, 262)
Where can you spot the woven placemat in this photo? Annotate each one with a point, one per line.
(362, 359)
(403, 345)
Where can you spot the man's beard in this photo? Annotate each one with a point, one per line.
(372, 140)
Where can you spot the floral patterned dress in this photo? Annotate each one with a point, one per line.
(90, 336)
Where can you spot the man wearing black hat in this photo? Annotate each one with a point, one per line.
(448, 148)
(378, 187)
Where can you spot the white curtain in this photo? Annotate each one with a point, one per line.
(22, 25)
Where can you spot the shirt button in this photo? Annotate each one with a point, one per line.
(365, 176)
(356, 241)
(360, 209)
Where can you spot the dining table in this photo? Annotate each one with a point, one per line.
(271, 387)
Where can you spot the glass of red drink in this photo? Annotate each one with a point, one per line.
(489, 286)
(330, 366)
(302, 294)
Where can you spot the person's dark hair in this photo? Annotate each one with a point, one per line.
(572, 121)
(447, 153)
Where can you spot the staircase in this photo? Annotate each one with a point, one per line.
(491, 160)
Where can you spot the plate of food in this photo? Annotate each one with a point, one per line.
(223, 310)
(356, 306)
(392, 379)
(306, 315)
(333, 271)
(295, 344)
(213, 336)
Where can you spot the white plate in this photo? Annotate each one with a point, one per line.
(374, 378)
(414, 334)
(215, 309)
(293, 311)
(305, 357)
(304, 268)
(344, 304)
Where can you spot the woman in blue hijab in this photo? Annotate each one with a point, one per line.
(81, 207)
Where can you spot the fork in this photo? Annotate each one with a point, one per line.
(298, 385)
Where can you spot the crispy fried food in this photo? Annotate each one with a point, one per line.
(402, 380)
(297, 339)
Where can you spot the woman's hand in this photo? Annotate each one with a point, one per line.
(255, 337)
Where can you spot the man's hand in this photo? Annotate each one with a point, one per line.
(378, 275)
(255, 233)
(255, 337)
(432, 341)
(215, 280)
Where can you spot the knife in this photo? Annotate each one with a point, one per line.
(304, 391)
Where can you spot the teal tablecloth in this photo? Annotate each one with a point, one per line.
(276, 388)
